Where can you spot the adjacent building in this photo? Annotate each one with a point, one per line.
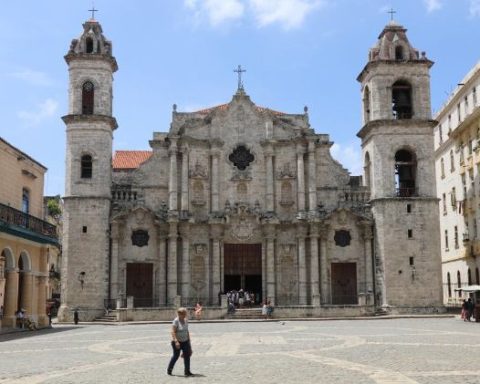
(240, 196)
(457, 163)
(26, 240)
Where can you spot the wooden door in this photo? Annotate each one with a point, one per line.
(344, 283)
(243, 267)
(140, 283)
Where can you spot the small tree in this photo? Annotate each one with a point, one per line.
(53, 207)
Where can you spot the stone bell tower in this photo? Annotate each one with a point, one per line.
(398, 155)
(89, 128)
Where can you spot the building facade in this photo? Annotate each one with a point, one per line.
(244, 197)
(457, 162)
(27, 242)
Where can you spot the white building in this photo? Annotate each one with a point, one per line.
(457, 163)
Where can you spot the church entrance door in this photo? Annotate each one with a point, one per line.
(140, 283)
(243, 268)
(344, 283)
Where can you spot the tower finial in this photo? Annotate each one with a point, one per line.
(239, 71)
(93, 10)
(392, 12)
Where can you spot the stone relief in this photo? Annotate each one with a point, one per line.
(199, 171)
(286, 172)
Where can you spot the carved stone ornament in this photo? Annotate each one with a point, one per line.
(140, 237)
(286, 172)
(243, 230)
(140, 216)
(199, 171)
(342, 238)
(200, 248)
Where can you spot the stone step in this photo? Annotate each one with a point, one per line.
(107, 319)
(246, 313)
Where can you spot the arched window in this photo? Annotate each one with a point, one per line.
(449, 285)
(87, 167)
(399, 52)
(88, 92)
(89, 45)
(402, 100)
(367, 169)
(25, 200)
(405, 173)
(469, 275)
(459, 283)
(366, 104)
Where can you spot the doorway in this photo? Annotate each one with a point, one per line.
(344, 283)
(140, 283)
(243, 268)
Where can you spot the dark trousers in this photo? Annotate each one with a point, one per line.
(187, 351)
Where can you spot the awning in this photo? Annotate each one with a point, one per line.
(469, 288)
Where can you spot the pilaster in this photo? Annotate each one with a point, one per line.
(314, 266)
(302, 266)
(172, 263)
(300, 178)
(172, 184)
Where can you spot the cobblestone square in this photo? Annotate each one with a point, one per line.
(422, 350)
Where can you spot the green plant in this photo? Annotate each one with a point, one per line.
(54, 208)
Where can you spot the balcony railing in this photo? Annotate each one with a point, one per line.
(407, 192)
(14, 217)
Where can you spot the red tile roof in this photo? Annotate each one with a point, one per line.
(129, 159)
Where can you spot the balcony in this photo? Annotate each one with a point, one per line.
(24, 225)
(407, 192)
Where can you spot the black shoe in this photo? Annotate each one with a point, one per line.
(169, 372)
(187, 374)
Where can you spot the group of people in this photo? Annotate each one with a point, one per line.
(241, 298)
(467, 309)
(267, 309)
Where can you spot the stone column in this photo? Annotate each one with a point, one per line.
(312, 177)
(269, 179)
(314, 270)
(367, 238)
(324, 267)
(184, 201)
(162, 265)
(172, 183)
(27, 293)
(216, 235)
(300, 178)
(2, 281)
(302, 267)
(172, 264)
(11, 298)
(114, 262)
(215, 194)
(41, 301)
(185, 268)
(269, 231)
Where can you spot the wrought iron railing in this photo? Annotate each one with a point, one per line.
(407, 192)
(18, 218)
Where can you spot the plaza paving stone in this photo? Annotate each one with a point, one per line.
(383, 351)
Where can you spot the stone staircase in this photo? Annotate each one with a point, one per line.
(110, 318)
(246, 314)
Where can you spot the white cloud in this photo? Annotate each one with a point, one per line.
(433, 5)
(349, 156)
(44, 110)
(217, 11)
(474, 8)
(288, 13)
(32, 77)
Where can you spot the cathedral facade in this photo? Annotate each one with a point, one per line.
(245, 197)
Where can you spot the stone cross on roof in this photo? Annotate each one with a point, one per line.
(93, 10)
(239, 71)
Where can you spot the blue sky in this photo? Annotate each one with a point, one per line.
(296, 52)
